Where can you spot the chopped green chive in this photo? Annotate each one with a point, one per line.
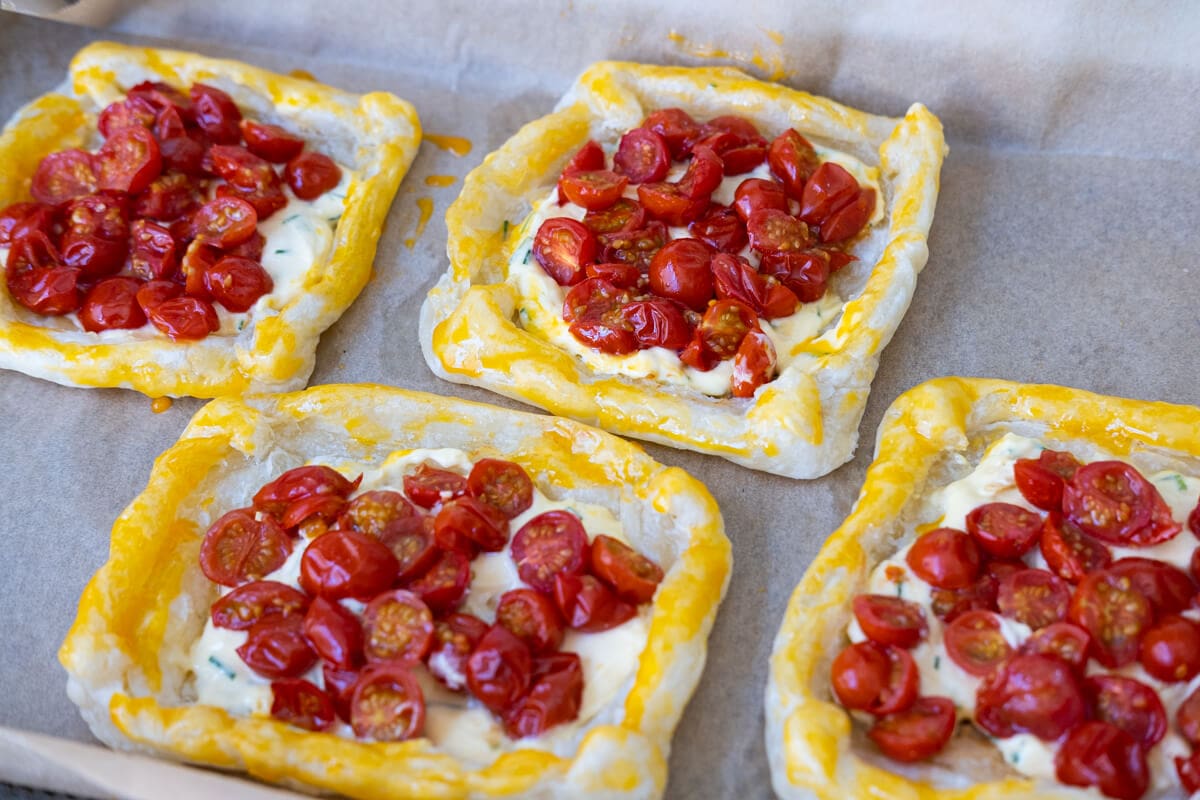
(281, 251)
(226, 671)
(292, 217)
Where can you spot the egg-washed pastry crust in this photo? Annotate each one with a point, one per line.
(127, 652)
(802, 424)
(931, 436)
(375, 134)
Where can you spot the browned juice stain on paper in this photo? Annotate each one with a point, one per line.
(440, 180)
(160, 404)
(303, 74)
(426, 206)
(455, 144)
(770, 64)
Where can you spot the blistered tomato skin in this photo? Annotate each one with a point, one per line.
(916, 733)
(344, 564)
(890, 620)
(499, 669)
(1030, 694)
(945, 558)
(876, 678)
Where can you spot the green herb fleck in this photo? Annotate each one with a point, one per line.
(1180, 483)
(505, 229)
(333, 220)
(1016, 757)
(899, 588)
(241, 324)
(937, 662)
(292, 217)
(712, 86)
(528, 253)
(226, 671)
(281, 251)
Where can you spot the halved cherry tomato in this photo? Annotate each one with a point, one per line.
(657, 323)
(593, 311)
(41, 220)
(550, 544)
(152, 255)
(225, 221)
(132, 111)
(242, 169)
(974, 642)
(103, 214)
(325, 507)
(252, 248)
(299, 483)
(589, 157)
(792, 159)
(153, 293)
(739, 154)
(237, 283)
(753, 364)
(622, 276)
(465, 524)
(1041, 479)
(169, 196)
(129, 161)
(91, 255)
(270, 141)
(703, 175)
(594, 190)
(949, 604)
(732, 123)
(554, 697)
(266, 201)
(397, 626)
(347, 564)
(1102, 755)
(240, 548)
(623, 215)
(720, 227)
(1168, 588)
(735, 279)
(774, 231)
(946, 558)
(195, 262)
(64, 175)
(311, 175)
(755, 194)
(168, 125)
(848, 220)
(411, 540)
(634, 577)
(642, 156)
(443, 586)
(828, 189)
(680, 271)
(669, 202)
(249, 603)
(677, 128)
(633, 247)
(1069, 551)
(1003, 529)
(917, 733)
(51, 291)
(1113, 502)
(499, 669)
(371, 512)
(724, 326)
(1129, 705)
(533, 618)
(216, 114)
(1112, 610)
(184, 153)
(1170, 649)
(161, 97)
(427, 486)
(300, 703)
(876, 678)
(1061, 640)
(454, 638)
(1034, 596)
(1030, 694)
(11, 216)
(564, 247)
(890, 620)
(503, 485)
(276, 648)
(334, 633)
(387, 704)
(805, 273)
(588, 605)
(112, 304)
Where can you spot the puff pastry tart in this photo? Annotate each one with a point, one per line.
(385, 594)
(1011, 608)
(181, 225)
(691, 257)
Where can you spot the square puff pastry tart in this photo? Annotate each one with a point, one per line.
(376, 135)
(932, 435)
(128, 652)
(805, 422)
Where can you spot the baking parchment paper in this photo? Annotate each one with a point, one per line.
(1063, 251)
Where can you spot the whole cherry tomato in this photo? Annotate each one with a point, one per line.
(1170, 649)
(848, 220)
(270, 142)
(237, 283)
(755, 194)
(347, 564)
(657, 323)
(299, 483)
(721, 228)
(827, 190)
(216, 114)
(112, 304)
(677, 128)
(946, 558)
(588, 605)
(804, 272)
(735, 279)
(792, 159)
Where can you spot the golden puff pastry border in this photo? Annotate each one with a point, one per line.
(127, 652)
(930, 435)
(801, 425)
(376, 134)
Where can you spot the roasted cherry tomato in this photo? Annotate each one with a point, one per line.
(1034, 597)
(163, 97)
(594, 190)
(50, 291)
(347, 564)
(499, 669)
(1188, 770)
(1003, 529)
(153, 293)
(670, 203)
(426, 486)
(1168, 588)
(735, 279)
(325, 507)
(533, 618)
(12, 216)
(240, 548)
(64, 175)
(703, 175)
(467, 525)
(550, 544)
(216, 114)
(299, 483)
(300, 703)
(589, 157)
(387, 704)
(31, 251)
(1111, 609)
(946, 558)
(136, 111)
(91, 255)
(774, 231)
(753, 364)
(225, 221)
(129, 161)
(1170, 650)
(588, 605)
(334, 633)
(805, 273)
(112, 304)
(1129, 705)
(564, 247)
(848, 220)
(634, 577)
(1102, 755)
(397, 626)
(739, 153)
(642, 156)
(270, 141)
(721, 228)
(311, 175)
(454, 638)
(237, 283)
(554, 697)
(265, 200)
(445, 583)
(276, 648)
(657, 323)
(635, 247)
(1069, 551)
(756, 194)
(792, 159)
(677, 128)
(1030, 694)
(168, 197)
(593, 310)
(827, 190)
(503, 485)
(1041, 479)
(152, 254)
(249, 603)
(724, 325)
(371, 512)
(890, 620)
(918, 732)
(949, 604)
(411, 540)
(680, 271)
(1188, 718)
(623, 215)
(1061, 640)
(1113, 502)
(974, 642)
(874, 677)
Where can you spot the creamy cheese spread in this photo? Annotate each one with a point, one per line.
(455, 723)
(992, 481)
